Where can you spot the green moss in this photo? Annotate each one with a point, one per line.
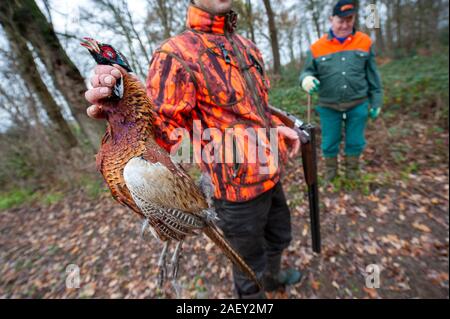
(93, 187)
(19, 197)
(15, 198)
(51, 198)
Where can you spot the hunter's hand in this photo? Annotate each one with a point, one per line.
(102, 82)
(293, 138)
(311, 84)
(374, 112)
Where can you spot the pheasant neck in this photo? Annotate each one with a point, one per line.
(129, 127)
(132, 116)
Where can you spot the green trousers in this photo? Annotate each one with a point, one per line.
(354, 121)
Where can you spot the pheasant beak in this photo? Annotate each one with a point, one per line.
(90, 44)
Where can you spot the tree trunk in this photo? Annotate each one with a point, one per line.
(389, 27)
(315, 17)
(290, 38)
(163, 12)
(273, 38)
(398, 22)
(432, 32)
(249, 9)
(379, 35)
(67, 79)
(300, 40)
(30, 74)
(358, 14)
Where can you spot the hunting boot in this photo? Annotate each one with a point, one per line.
(276, 279)
(352, 167)
(331, 168)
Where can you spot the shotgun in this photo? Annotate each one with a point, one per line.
(307, 134)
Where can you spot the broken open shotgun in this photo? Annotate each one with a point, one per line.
(307, 134)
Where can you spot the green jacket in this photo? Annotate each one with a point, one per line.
(347, 72)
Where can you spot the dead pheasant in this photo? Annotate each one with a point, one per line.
(141, 174)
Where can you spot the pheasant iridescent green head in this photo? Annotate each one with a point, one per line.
(105, 54)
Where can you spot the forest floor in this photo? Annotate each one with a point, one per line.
(396, 217)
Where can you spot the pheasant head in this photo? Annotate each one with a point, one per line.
(105, 54)
(128, 107)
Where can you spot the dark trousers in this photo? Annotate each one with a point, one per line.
(259, 229)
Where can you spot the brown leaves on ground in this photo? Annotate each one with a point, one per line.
(396, 219)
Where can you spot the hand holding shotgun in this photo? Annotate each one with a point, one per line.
(307, 134)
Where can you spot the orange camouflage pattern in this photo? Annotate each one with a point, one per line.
(209, 73)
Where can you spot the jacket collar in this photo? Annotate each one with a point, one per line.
(201, 20)
(331, 35)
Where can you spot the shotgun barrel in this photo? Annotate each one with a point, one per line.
(307, 134)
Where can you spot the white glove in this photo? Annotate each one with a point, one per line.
(310, 84)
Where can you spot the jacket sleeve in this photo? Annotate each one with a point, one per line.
(374, 81)
(173, 93)
(309, 69)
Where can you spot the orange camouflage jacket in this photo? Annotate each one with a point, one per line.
(210, 74)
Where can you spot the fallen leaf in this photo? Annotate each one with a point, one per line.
(336, 285)
(88, 290)
(315, 285)
(371, 292)
(422, 227)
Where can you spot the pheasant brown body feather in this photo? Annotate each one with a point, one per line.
(142, 175)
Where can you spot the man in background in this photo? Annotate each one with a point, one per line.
(341, 67)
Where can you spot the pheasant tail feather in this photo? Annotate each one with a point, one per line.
(213, 233)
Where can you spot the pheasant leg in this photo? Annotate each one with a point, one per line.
(176, 259)
(145, 225)
(162, 265)
(175, 264)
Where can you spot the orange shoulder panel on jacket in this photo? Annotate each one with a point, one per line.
(324, 46)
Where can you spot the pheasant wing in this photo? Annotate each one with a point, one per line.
(164, 191)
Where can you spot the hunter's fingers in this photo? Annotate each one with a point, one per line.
(294, 139)
(94, 95)
(95, 112)
(103, 80)
(107, 69)
(295, 148)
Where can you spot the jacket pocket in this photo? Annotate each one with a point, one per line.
(359, 60)
(325, 65)
(223, 80)
(253, 161)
